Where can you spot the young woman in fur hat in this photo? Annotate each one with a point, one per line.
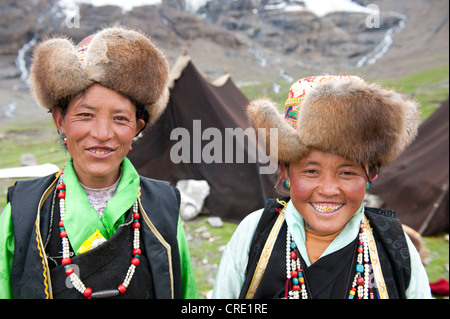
(96, 229)
(320, 241)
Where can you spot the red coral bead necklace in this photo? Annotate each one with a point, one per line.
(67, 262)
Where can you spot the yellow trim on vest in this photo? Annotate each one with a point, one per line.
(162, 241)
(265, 256)
(375, 261)
(46, 270)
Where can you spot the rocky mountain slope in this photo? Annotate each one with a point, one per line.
(255, 40)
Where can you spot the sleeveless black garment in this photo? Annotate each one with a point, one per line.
(35, 274)
(331, 276)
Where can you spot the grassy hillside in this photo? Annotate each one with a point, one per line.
(429, 87)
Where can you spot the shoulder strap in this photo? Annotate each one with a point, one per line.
(264, 238)
(265, 256)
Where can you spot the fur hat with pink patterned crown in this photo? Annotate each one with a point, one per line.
(342, 115)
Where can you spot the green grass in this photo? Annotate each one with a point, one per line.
(206, 253)
(436, 263)
(254, 91)
(429, 87)
(37, 138)
(438, 257)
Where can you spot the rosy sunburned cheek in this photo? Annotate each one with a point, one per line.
(301, 189)
(356, 191)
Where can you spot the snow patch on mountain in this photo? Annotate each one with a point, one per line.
(320, 8)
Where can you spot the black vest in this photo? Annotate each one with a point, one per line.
(331, 276)
(33, 275)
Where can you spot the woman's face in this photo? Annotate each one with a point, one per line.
(326, 189)
(99, 127)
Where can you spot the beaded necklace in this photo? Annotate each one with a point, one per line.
(296, 285)
(66, 261)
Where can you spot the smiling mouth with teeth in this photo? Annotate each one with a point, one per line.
(100, 152)
(326, 208)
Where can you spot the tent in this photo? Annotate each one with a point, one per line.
(416, 184)
(196, 104)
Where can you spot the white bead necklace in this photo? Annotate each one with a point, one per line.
(66, 261)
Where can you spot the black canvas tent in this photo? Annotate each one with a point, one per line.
(236, 189)
(416, 184)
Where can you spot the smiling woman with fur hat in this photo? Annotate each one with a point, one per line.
(320, 241)
(96, 229)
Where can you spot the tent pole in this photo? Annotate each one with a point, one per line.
(444, 190)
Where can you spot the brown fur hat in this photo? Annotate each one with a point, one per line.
(123, 60)
(356, 120)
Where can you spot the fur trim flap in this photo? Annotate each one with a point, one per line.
(56, 72)
(123, 60)
(264, 115)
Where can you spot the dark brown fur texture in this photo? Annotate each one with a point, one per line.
(123, 60)
(359, 121)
